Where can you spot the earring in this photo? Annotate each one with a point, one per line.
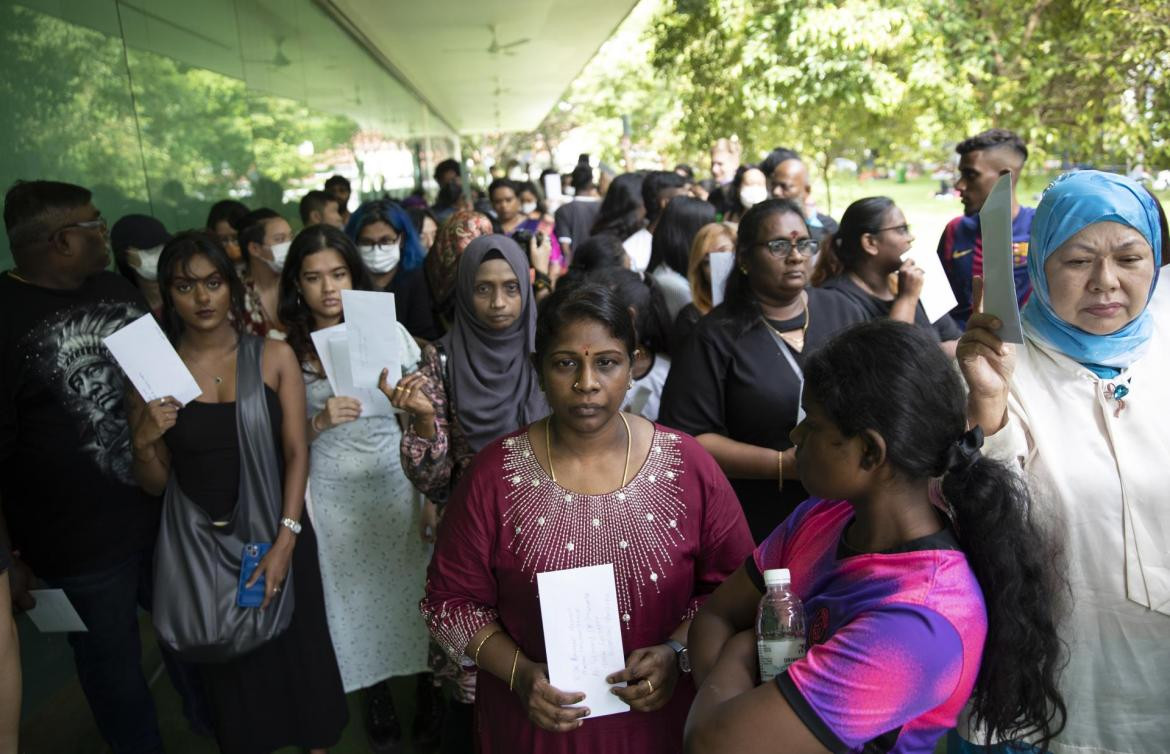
(631, 385)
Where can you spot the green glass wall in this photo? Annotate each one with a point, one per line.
(164, 106)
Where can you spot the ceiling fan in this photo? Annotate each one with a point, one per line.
(495, 48)
(279, 60)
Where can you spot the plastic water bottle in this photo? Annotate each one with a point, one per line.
(780, 637)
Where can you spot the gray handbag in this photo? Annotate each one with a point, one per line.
(197, 564)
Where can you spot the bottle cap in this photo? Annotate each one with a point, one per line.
(777, 577)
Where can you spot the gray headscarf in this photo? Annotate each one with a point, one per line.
(494, 387)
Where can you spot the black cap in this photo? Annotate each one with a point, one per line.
(139, 232)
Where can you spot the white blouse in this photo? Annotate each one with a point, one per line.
(1102, 478)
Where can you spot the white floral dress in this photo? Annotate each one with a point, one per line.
(373, 562)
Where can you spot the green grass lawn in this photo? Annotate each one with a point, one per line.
(927, 214)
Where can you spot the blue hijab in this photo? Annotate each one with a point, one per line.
(1074, 201)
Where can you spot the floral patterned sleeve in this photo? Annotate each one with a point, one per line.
(432, 466)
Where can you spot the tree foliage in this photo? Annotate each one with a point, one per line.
(1082, 80)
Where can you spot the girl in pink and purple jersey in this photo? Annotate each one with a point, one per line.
(920, 594)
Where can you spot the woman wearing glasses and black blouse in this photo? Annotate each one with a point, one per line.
(736, 385)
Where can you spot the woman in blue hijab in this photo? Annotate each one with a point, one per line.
(1081, 408)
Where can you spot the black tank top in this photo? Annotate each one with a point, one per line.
(205, 452)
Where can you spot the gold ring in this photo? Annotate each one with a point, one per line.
(651, 685)
(398, 388)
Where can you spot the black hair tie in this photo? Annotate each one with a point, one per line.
(963, 454)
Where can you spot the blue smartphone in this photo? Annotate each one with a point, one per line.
(251, 596)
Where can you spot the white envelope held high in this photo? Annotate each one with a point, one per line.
(151, 363)
(373, 337)
(582, 634)
(999, 273)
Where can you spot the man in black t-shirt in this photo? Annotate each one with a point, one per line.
(72, 513)
(574, 220)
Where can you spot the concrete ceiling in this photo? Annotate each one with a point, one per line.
(484, 65)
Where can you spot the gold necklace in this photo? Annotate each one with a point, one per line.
(12, 273)
(803, 329)
(548, 448)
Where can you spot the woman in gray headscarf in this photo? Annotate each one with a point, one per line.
(475, 384)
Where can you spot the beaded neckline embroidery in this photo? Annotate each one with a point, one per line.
(637, 527)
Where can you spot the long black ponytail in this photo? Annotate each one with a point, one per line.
(892, 378)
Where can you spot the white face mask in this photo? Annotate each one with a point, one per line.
(147, 267)
(749, 196)
(528, 207)
(380, 258)
(279, 254)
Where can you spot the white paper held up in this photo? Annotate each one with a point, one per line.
(334, 340)
(722, 263)
(54, 612)
(151, 363)
(999, 277)
(582, 634)
(937, 298)
(373, 339)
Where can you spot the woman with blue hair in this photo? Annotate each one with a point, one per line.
(393, 254)
(1081, 408)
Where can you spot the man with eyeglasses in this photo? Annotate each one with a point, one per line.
(71, 510)
(788, 179)
(982, 159)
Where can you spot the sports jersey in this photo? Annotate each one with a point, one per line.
(961, 252)
(895, 638)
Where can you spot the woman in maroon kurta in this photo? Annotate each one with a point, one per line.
(618, 490)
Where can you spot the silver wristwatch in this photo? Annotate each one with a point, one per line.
(293, 526)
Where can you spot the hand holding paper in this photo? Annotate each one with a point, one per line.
(333, 347)
(582, 634)
(936, 297)
(999, 279)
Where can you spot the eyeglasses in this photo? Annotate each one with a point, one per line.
(782, 247)
(98, 224)
(903, 229)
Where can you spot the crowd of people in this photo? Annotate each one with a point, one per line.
(978, 530)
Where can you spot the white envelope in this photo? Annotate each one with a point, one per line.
(582, 634)
(722, 263)
(937, 298)
(151, 363)
(374, 343)
(54, 612)
(332, 346)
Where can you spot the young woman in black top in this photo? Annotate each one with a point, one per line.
(736, 386)
(860, 259)
(288, 691)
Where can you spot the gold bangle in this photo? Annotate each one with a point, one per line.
(475, 657)
(512, 678)
(780, 470)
